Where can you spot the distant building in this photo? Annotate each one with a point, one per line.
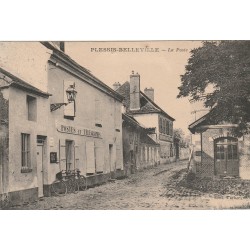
(142, 107)
(139, 149)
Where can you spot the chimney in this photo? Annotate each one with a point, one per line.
(134, 91)
(62, 46)
(116, 85)
(149, 92)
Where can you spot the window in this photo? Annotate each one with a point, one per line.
(220, 152)
(163, 126)
(25, 153)
(167, 130)
(32, 108)
(160, 125)
(226, 149)
(171, 128)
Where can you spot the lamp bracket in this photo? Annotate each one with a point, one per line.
(55, 106)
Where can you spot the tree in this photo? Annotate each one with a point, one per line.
(181, 137)
(224, 67)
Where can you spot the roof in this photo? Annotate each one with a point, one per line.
(60, 55)
(147, 105)
(21, 84)
(192, 127)
(144, 131)
(147, 139)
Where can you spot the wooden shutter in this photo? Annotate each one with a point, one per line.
(77, 157)
(118, 157)
(99, 153)
(90, 156)
(62, 155)
(69, 109)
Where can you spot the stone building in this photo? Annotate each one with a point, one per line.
(218, 152)
(139, 149)
(44, 130)
(142, 107)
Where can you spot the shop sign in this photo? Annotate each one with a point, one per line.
(78, 131)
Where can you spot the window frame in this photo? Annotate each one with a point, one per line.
(31, 102)
(25, 153)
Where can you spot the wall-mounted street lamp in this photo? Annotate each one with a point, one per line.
(71, 96)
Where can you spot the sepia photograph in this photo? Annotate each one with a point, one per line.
(124, 125)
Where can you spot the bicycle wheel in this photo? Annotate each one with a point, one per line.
(59, 188)
(75, 186)
(82, 183)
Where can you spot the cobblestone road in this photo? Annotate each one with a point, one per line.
(149, 189)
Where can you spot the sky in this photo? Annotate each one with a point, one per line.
(160, 68)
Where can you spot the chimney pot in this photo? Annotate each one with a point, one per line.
(116, 85)
(135, 91)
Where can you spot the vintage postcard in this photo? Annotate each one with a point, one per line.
(133, 125)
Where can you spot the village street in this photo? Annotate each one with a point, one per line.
(149, 189)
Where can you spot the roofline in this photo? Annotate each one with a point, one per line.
(131, 120)
(17, 82)
(196, 123)
(83, 73)
(160, 109)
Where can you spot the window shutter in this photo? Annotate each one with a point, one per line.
(76, 157)
(69, 109)
(90, 155)
(99, 152)
(118, 157)
(160, 125)
(62, 155)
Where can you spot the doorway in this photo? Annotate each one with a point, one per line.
(69, 152)
(40, 159)
(226, 156)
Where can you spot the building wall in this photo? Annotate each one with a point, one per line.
(109, 116)
(27, 60)
(131, 145)
(19, 123)
(204, 164)
(165, 141)
(148, 120)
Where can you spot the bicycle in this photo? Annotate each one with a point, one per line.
(82, 180)
(59, 186)
(71, 181)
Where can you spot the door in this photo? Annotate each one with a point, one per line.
(40, 161)
(226, 156)
(69, 152)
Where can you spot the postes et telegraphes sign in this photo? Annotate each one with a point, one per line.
(78, 131)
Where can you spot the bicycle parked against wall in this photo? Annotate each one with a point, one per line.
(66, 182)
(72, 181)
(82, 180)
(59, 186)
